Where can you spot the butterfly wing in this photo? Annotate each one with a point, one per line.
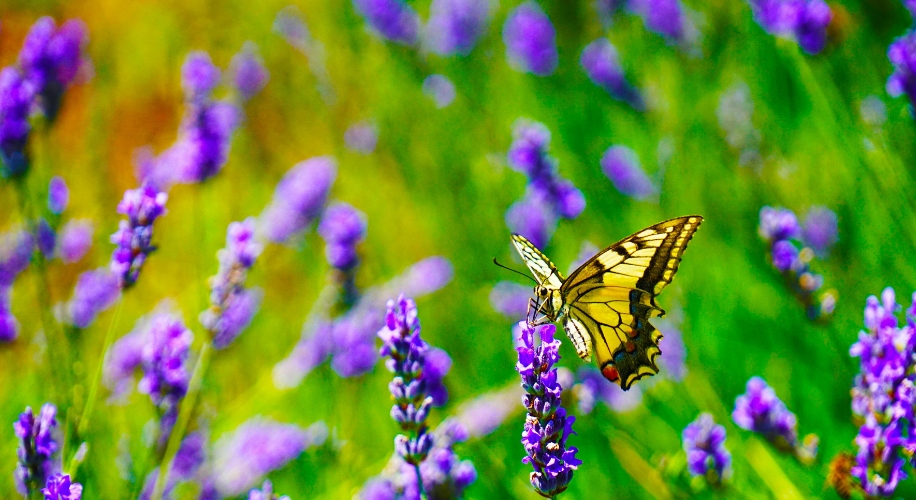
(612, 297)
(544, 271)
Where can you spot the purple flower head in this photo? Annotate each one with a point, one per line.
(52, 57)
(9, 326)
(440, 89)
(164, 359)
(142, 206)
(265, 493)
(393, 20)
(819, 230)
(243, 457)
(353, 338)
(673, 359)
(361, 137)
(206, 133)
(342, 228)
(531, 40)
(59, 487)
(45, 238)
(38, 446)
(760, 410)
(58, 195)
(704, 443)
(455, 26)
(532, 220)
(17, 94)
(547, 425)
(803, 20)
(785, 255)
(15, 254)
(75, 240)
(199, 76)
(299, 198)
(248, 73)
(510, 299)
(778, 224)
(665, 17)
(601, 64)
(484, 414)
(95, 292)
(811, 31)
(528, 153)
(902, 54)
(621, 165)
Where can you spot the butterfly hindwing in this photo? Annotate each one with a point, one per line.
(544, 270)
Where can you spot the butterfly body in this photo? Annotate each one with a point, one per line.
(605, 305)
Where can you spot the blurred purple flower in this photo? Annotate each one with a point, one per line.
(199, 76)
(265, 493)
(354, 352)
(142, 206)
(342, 227)
(669, 19)
(17, 95)
(232, 306)
(361, 137)
(455, 26)
(819, 230)
(313, 348)
(760, 410)
(778, 224)
(243, 457)
(58, 195)
(902, 54)
(75, 240)
(673, 359)
(9, 326)
(59, 487)
(532, 220)
(593, 388)
(784, 255)
(440, 89)
(51, 58)
(704, 443)
(530, 39)
(484, 414)
(164, 360)
(510, 299)
(45, 238)
(206, 135)
(601, 64)
(95, 292)
(38, 447)
(188, 461)
(248, 73)
(15, 254)
(621, 165)
(803, 20)
(299, 198)
(393, 20)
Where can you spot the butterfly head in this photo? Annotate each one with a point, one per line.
(548, 304)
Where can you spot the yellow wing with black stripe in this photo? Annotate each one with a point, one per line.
(611, 298)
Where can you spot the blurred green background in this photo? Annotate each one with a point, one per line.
(437, 184)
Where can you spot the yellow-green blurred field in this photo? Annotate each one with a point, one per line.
(437, 184)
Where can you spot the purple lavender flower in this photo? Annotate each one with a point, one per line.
(206, 134)
(406, 352)
(199, 76)
(883, 394)
(59, 487)
(902, 54)
(342, 228)
(593, 388)
(17, 94)
(188, 461)
(673, 360)
(52, 57)
(760, 410)
(9, 326)
(95, 292)
(249, 75)
(38, 446)
(265, 493)
(232, 306)
(532, 220)
(142, 206)
(803, 20)
(778, 224)
(15, 253)
(243, 457)
(393, 20)
(667, 18)
(531, 40)
(455, 26)
(510, 299)
(164, 361)
(547, 426)
(621, 165)
(299, 198)
(784, 255)
(45, 238)
(704, 443)
(75, 240)
(601, 64)
(484, 414)
(361, 137)
(819, 230)
(58, 195)
(440, 89)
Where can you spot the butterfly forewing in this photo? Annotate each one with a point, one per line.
(544, 271)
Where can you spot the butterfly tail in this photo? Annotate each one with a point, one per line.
(635, 358)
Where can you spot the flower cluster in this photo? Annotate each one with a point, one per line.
(805, 21)
(343, 227)
(735, 113)
(299, 199)
(38, 446)
(455, 26)
(265, 493)
(134, 237)
(17, 95)
(232, 306)
(704, 443)
(883, 394)
(621, 165)
(60, 487)
(760, 410)
(600, 61)
(393, 20)
(15, 254)
(248, 73)
(95, 291)
(779, 227)
(406, 352)
(669, 19)
(547, 426)
(531, 40)
(902, 54)
(51, 59)
(548, 196)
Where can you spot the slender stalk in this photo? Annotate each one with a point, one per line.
(184, 416)
(419, 482)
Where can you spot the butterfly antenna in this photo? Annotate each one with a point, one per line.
(513, 270)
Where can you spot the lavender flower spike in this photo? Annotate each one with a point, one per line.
(58, 195)
(393, 20)
(805, 21)
(531, 40)
(601, 64)
(265, 493)
(547, 426)
(455, 26)
(299, 199)
(51, 59)
(902, 54)
(406, 353)
(37, 449)
(621, 165)
(142, 206)
(760, 410)
(16, 96)
(704, 443)
(59, 487)
(95, 292)
(249, 75)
